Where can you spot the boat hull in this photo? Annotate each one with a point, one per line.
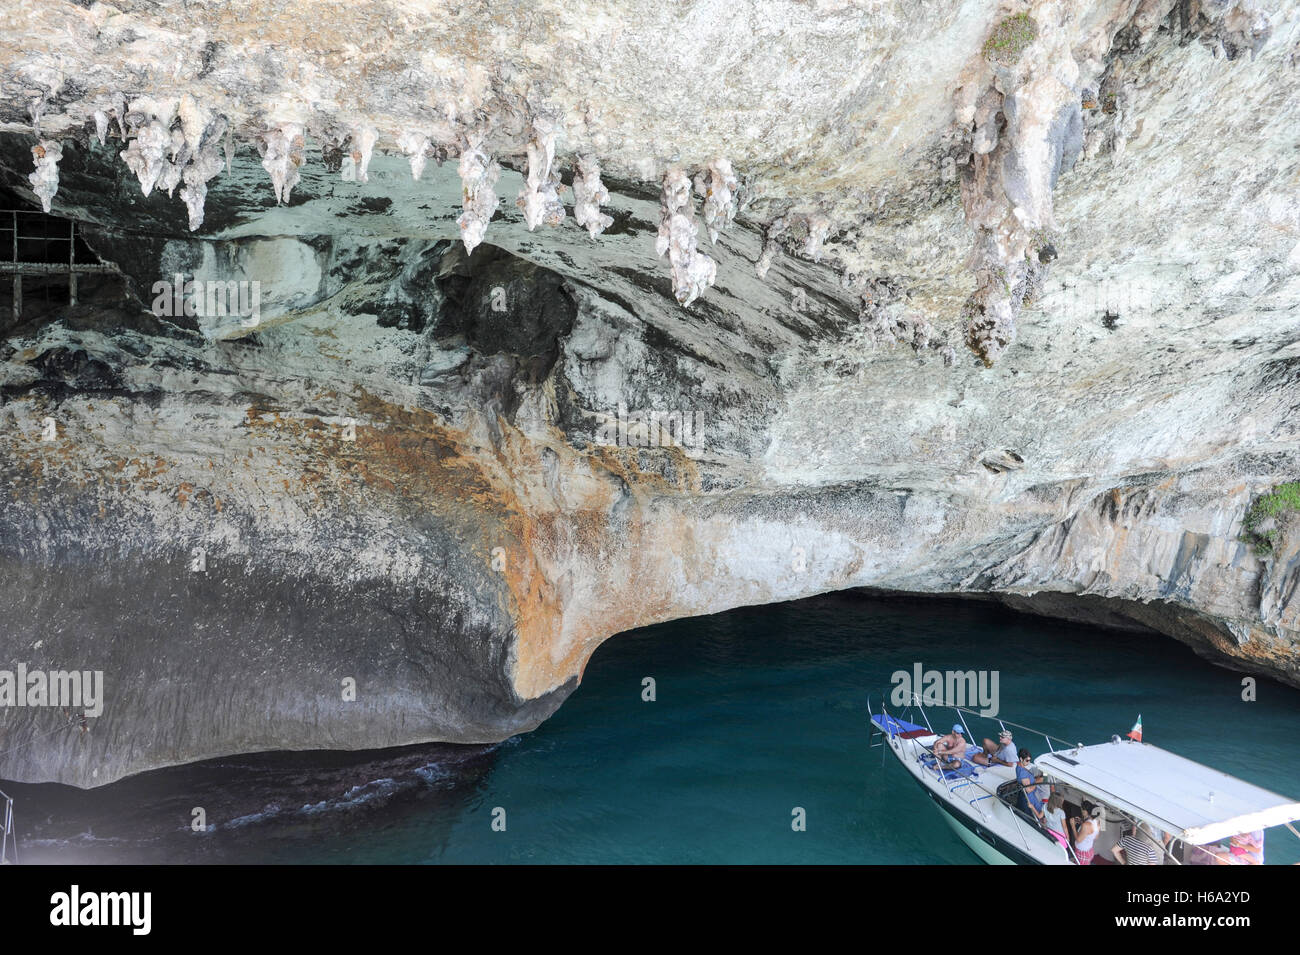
(987, 845)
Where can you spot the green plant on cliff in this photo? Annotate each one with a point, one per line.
(1262, 526)
(1010, 38)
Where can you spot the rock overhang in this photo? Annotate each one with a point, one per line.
(1111, 449)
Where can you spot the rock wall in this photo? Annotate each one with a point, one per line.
(993, 298)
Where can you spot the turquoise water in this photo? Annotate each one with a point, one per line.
(758, 711)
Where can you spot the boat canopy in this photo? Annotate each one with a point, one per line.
(1191, 802)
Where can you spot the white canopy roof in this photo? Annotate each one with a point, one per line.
(1192, 802)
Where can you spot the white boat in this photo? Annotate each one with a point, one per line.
(1135, 783)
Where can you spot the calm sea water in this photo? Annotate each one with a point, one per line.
(758, 711)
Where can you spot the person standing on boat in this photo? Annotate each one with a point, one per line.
(1136, 848)
(1054, 815)
(1029, 784)
(1085, 832)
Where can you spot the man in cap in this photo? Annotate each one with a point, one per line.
(1001, 753)
(951, 748)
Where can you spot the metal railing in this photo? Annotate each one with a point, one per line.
(1015, 812)
(19, 224)
(8, 841)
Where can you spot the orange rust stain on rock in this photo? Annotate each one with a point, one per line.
(555, 636)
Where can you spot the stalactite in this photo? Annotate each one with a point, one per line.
(693, 271)
(194, 120)
(540, 197)
(283, 158)
(45, 179)
(818, 228)
(416, 147)
(145, 154)
(204, 165)
(174, 164)
(356, 164)
(589, 194)
(717, 184)
(478, 176)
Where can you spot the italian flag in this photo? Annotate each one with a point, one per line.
(1136, 731)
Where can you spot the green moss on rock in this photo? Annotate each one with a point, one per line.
(1010, 38)
(1262, 526)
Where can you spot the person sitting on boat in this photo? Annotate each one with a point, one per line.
(1029, 786)
(1001, 753)
(1247, 848)
(1085, 832)
(951, 749)
(1136, 847)
(1045, 789)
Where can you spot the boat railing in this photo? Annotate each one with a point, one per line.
(963, 761)
(8, 841)
(942, 775)
(961, 711)
(1136, 824)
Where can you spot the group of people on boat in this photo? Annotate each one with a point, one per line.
(1078, 829)
(952, 749)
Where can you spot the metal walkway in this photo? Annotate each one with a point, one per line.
(21, 224)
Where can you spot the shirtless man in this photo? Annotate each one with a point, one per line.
(951, 749)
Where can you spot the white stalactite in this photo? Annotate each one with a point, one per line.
(145, 154)
(178, 144)
(45, 180)
(818, 228)
(357, 163)
(416, 147)
(195, 191)
(283, 158)
(718, 184)
(204, 165)
(693, 271)
(478, 176)
(589, 194)
(540, 197)
(194, 120)
(101, 125)
(174, 165)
